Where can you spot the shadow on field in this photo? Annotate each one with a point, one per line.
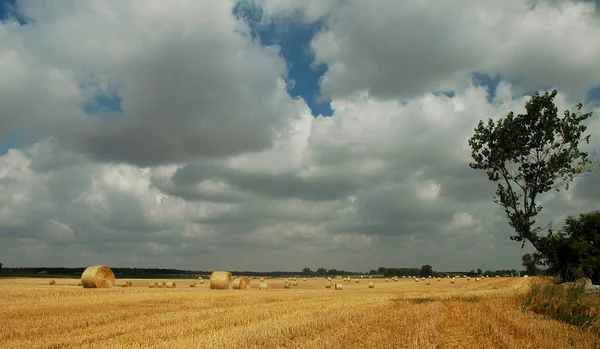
(423, 300)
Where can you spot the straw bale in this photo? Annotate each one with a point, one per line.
(170, 285)
(153, 284)
(339, 286)
(328, 285)
(241, 283)
(193, 284)
(294, 283)
(201, 281)
(99, 276)
(52, 282)
(263, 286)
(371, 285)
(286, 285)
(220, 280)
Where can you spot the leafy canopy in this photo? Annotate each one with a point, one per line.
(528, 155)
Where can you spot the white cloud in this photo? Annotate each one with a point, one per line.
(214, 165)
(403, 49)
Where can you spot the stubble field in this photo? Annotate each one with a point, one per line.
(404, 314)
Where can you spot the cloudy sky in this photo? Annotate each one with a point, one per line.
(275, 134)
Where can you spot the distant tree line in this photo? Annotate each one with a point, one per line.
(424, 271)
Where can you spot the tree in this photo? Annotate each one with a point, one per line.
(307, 271)
(322, 271)
(574, 252)
(479, 272)
(0, 267)
(531, 261)
(426, 270)
(529, 155)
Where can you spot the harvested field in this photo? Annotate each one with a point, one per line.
(402, 314)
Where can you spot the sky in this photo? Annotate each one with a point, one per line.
(276, 134)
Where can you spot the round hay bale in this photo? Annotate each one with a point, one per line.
(99, 276)
(52, 282)
(468, 279)
(427, 283)
(452, 281)
(262, 280)
(396, 280)
(304, 279)
(193, 284)
(241, 283)
(160, 285)
(152, 284)
(371, 285)
(200, 278)
(416, 280)
(294, 283)
(220, 280)
(387, 280)
(357, 281)
(201, 282)
(370, 276)
(263, 286)
(438, 279)
(286, 285)
(339, 286)
(329, 278)
(476, 279)
(328, 285)
(79, 283)
(130, 283)
(123, 284)
(170, 285)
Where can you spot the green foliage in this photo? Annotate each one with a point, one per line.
(426, 271)
(574, 252)
(530, 154)
(307, 271)
(530, 262)
(567, 303)
(321, 271)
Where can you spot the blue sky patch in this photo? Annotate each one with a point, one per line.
(294, 39)
(103, 104)
(17, 138)
(9, 10)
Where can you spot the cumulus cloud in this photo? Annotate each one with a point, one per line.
(210, 163)
(403, 49)
(192, 81)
